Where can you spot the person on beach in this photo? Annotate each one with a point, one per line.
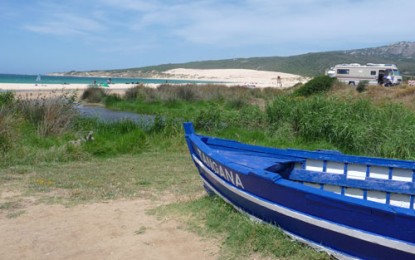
(279, 83)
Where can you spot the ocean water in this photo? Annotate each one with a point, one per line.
(32, 79)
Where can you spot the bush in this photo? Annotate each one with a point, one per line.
(362, 86)
(318, 84)
(208, 120)
(6, 98)
(51, 116)
(94, 94)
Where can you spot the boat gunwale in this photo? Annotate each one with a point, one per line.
(279, 180)
(208, 161)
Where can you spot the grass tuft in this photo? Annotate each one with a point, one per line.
(211, 217)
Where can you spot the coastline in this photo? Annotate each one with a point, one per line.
(48, 90)
(227, 77)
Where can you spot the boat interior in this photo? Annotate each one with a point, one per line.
(378, 180)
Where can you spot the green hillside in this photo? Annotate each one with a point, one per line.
(311, 64)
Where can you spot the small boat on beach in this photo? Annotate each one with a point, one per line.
(350, 206)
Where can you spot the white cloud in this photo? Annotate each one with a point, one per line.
(66, 25)
(229, 23)
(132, 5)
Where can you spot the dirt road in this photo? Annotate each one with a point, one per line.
(112, 230)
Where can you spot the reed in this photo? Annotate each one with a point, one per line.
(51, 116)
(354, 126)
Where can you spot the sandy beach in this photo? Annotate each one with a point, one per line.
(244, 77)
(228, 77)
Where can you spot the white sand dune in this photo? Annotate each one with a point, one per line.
(247, 77)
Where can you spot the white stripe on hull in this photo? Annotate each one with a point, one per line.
(354, 233)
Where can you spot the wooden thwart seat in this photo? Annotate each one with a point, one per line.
(342, 180)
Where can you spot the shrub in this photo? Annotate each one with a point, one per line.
(318, 84)
(51, 116)
(94, 94)
(361, 87)
(6, 98)
(208, 120)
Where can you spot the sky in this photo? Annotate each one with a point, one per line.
(43, 36)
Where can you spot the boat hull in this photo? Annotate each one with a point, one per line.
(340, 226)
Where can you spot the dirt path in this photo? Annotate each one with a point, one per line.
(113, 230)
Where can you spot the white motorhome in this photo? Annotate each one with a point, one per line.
(375, 74)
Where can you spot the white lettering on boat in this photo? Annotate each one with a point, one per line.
(220, 170)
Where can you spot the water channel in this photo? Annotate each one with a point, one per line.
(107, 115)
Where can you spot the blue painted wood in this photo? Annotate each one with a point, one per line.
(260, 182)
(342, 180)
(318, 155)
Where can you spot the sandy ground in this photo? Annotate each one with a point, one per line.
(251, 78)
(113, 230)
(117, 229)
(230, 77)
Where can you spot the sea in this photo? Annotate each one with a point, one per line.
(45, 79)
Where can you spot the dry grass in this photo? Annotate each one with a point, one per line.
(403, 94)
(51, 115)
(8, 123)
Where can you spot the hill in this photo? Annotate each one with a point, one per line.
(310, 64)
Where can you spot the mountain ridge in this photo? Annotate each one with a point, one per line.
(309, 64)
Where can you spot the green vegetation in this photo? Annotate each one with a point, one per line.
(309, 64)
(362, 86)
(212, 217)
(317, 85)
(47, 150)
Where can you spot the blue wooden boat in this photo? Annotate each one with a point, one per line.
(349, 206)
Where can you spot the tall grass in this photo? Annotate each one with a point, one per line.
(8, 125)
(40, 129)
(192, 93)
(49, 129)
(355, 126)
(341, 118)
(51, 115)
